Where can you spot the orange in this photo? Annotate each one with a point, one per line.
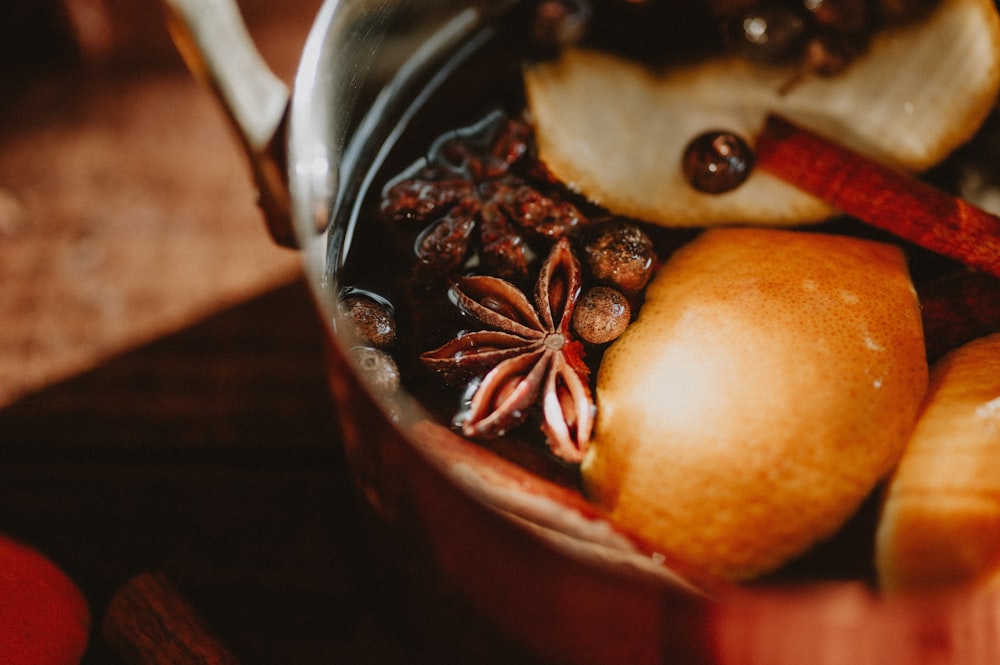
(940, 523)
(772, 378)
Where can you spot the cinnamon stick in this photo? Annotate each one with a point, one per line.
(148, 622)
(892, 201)
(957, 309)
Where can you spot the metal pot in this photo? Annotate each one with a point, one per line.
(536, 559)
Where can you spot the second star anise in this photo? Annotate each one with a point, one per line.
(472, 201)
(525, 354)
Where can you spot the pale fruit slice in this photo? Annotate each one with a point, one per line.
(771, 379)
(940, 523)
(616, 132)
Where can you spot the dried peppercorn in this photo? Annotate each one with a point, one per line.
(601, 315)
(378, 368)
(621, 255)
(560, 23)
(768, 34)
(718, 161)
(371, 321)
(823, 37)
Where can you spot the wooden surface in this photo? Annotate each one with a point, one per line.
(163, 405)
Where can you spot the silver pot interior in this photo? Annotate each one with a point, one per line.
(347, 113)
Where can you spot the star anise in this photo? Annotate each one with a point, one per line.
(472, 200)
(527, 354)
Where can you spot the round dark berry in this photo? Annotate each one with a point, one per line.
(768, 34)
(370, 320)
(378, 368)
(560, 23)
(718, 161)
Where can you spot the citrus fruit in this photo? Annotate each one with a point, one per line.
(940, 523)
(772, 378)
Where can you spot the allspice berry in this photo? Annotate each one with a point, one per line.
(621, 255)
(602, 314)
(372, 322)
(378, 368)
(717, 162)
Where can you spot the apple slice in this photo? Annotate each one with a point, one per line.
(771, 379)
(616, 131)
(940, 523)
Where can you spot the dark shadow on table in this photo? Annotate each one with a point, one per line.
(213, 455)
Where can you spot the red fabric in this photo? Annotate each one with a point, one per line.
(44, 618)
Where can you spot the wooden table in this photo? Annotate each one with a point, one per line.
(163, 404)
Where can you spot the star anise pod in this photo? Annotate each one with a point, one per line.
(472, 200)
(527, 354)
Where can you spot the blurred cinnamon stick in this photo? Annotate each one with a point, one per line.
(957, 309)
(148, 622)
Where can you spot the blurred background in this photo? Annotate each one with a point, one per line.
(163, 405)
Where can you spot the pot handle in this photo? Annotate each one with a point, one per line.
(214, 43)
